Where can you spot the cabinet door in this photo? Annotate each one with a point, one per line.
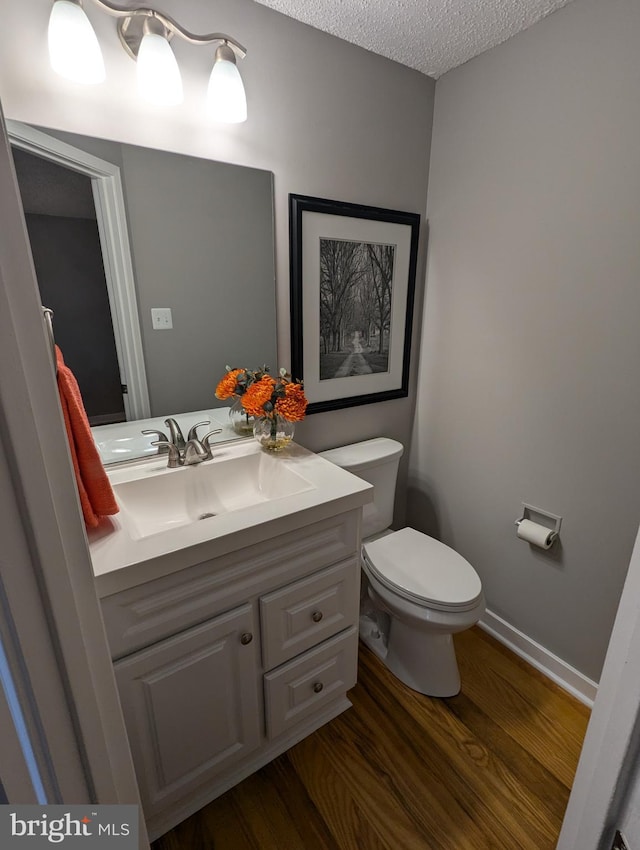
(191, 706)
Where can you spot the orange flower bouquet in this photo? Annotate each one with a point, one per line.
(276, 405)
(236, 382)
(234, 385)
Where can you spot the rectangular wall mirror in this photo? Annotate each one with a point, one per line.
(192, 240)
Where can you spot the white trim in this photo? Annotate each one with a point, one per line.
(116, 253)
(15, 774)
(611, 744)
(538, 656)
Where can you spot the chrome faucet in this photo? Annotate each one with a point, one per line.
(175, 434)
(195, 450)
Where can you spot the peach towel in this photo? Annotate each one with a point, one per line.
(94, 488)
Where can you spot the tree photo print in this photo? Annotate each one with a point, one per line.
(356, 290)
(353, 271)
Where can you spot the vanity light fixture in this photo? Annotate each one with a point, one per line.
(74, 50)
(159, 79)
(226, 99)
(145, 35)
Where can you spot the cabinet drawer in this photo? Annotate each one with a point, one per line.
(144, 614)
(302, 614)
(298, 689)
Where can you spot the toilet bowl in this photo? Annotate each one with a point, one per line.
(430, 593)
(416, 592)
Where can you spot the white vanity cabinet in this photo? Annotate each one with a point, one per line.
(225, 664)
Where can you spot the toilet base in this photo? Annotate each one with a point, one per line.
(415, 643)
(424, 661)
(373, 636)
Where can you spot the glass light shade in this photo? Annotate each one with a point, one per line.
(74, 51)
(159, 79)
(226, 100)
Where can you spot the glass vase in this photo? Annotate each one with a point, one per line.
(273, 432)
(241, 421)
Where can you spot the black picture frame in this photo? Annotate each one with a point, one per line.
(352, 279)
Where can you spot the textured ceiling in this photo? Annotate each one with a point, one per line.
(431, 36)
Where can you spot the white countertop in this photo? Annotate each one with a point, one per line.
(121, 561)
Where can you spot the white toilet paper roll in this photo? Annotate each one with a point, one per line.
(536, 534)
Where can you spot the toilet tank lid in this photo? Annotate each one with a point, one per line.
(367, 453)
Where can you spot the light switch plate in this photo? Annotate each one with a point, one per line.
(161, 318)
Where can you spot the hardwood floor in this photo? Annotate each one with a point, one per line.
(489, 768)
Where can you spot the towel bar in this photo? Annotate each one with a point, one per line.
(47, 312)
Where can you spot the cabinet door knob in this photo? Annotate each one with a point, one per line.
(246, 638)
(316, 616)
(318, 686)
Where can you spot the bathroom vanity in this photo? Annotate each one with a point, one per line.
(233, 636)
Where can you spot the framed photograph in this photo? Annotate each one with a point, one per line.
(353, 271)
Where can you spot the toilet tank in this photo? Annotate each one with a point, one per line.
(377, 462)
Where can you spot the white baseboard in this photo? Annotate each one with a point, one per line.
(546, 662)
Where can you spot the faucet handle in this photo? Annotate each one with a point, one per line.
(176, 437)
(193, 431)
(162, 437)
(175, 458)
(207, 445)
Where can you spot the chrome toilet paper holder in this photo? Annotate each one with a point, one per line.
(535, 514)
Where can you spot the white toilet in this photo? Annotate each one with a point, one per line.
(417, 592)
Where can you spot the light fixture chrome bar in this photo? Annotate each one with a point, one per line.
(131, 31)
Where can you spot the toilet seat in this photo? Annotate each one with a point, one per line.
(423, 570)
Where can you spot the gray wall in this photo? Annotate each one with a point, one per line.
(202, 238)
(529, 385)
(329, 119)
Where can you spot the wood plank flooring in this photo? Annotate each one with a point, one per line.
(489, 768)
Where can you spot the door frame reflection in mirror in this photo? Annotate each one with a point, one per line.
(111, 217)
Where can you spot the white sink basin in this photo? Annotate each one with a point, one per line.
(248, 495)
(163, 499)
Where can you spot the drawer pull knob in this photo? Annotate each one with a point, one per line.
(316, 616)
(318, 686)
(246, 638)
